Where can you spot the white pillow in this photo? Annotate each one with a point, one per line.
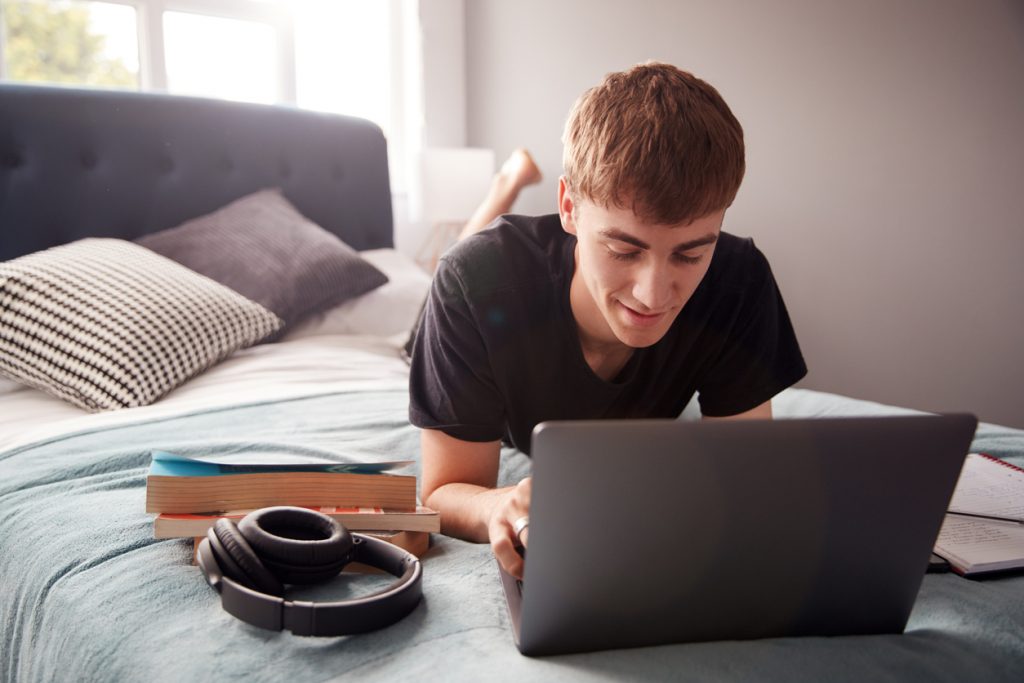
(386, 311)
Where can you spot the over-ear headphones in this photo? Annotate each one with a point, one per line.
(249, 563)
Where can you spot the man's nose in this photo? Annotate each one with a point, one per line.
(654, 288)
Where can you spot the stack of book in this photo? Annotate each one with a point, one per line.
(189, 493)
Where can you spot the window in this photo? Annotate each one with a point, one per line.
(81, 43)
(341, 56)
(220, 57)
(344, 57)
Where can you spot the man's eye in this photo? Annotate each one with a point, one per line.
(623, 256)
(683, 258)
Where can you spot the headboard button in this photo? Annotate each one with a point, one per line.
(12, 159)
(89, 159)
(166, 164)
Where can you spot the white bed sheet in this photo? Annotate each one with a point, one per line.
(306, 366)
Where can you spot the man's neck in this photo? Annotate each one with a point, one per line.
(607, 365)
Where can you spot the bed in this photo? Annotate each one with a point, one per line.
(89, 594)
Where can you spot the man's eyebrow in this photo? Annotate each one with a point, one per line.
(619, 235)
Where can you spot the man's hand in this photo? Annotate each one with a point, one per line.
(458, 480)
(513, 505)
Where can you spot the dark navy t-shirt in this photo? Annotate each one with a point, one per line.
(497, 349)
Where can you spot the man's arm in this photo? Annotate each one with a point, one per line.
(761, 412)
(458, 480)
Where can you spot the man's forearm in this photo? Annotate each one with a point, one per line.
(465, 509)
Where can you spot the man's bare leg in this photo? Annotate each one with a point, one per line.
(518, 171)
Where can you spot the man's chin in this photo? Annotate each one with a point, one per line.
(640, 339)
(639, 336)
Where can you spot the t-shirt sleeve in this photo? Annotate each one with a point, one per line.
(451, 384)
(759, 354)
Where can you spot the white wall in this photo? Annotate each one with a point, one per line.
(432, 97)
(885, 165)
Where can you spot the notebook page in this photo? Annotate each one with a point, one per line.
(987, 487)
(976, 542)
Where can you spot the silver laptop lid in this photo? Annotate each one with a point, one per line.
(655, 531)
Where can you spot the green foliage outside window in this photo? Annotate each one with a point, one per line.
(52, 42)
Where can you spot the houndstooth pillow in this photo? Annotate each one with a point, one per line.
(104, 323)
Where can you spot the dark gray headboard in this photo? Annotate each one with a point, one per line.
(77, 163)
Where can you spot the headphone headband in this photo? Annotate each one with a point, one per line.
(304, 618)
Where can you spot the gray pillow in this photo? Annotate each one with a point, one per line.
(104, 323)
(264, 249)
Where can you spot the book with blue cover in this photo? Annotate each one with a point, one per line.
(201, 484)
(177, 465)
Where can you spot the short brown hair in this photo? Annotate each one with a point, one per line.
(657, 137)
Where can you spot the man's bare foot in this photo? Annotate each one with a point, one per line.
(521, 170)
(518, 171)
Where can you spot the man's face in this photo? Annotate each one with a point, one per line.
(632, 278)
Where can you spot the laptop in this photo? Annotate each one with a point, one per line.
(647, 532)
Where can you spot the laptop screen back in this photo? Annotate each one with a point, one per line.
(656, 531)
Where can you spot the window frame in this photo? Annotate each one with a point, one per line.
(277, 15)
(150, 34)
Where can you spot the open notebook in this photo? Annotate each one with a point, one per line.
(972, 545)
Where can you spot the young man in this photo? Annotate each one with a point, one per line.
(623, 305)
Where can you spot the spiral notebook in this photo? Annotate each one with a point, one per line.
(976, 546)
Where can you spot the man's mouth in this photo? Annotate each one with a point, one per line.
(641, 319)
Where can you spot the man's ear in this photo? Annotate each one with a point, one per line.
(566, 206)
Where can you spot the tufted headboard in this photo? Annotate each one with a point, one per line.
(77, 163)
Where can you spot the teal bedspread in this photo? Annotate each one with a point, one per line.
(88, 594)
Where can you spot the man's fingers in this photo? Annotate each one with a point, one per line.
(522, 496)
(523, 490)
(508, 528)
(508, 556)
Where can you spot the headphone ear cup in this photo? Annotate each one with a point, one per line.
(251, 571)
(300, 546)
(227, 566)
